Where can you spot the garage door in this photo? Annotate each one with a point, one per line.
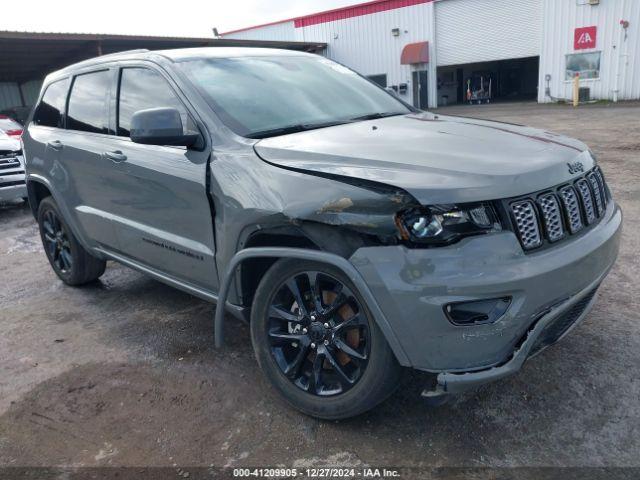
(470, 31)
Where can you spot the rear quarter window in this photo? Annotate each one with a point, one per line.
(50, 110)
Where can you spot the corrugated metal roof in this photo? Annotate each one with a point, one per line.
(31, 55)
(95, 36)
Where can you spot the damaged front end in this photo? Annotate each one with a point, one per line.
(386, 215)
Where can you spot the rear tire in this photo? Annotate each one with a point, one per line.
(69, 260)
(374, 376)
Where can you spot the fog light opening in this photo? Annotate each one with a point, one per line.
(477, 312)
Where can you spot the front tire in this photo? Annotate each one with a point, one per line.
(317, 342)
(69, 260)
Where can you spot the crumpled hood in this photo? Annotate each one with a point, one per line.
(435, 158)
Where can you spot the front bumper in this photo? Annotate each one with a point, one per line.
(13, 192)
(545, 330)
(412, 286)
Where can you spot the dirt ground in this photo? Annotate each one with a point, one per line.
(124, 373)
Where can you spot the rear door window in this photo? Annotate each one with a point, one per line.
(50, 110)
(88, 103)
(140, 89)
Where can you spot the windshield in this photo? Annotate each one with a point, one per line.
(267, 96)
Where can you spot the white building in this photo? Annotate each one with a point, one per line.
(436, 52)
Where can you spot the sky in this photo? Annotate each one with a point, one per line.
(189, 18)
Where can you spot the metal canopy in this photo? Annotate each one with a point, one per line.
(28, 56)
(413, 53)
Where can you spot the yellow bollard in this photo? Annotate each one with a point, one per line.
(576, 90)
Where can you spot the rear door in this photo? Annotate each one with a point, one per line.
(42, 137)
(88, 179)
(161, 210)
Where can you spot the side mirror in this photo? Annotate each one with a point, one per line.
(161, 126)
(393, 92)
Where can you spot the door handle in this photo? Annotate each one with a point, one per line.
(116, 156)
(55, 144)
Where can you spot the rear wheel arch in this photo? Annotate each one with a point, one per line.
(37, 191)
(39, 188)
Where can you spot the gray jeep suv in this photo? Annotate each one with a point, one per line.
(357, 234)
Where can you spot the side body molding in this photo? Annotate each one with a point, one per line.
(313, 255)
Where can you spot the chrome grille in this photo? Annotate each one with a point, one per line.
(7, 163)
(553, 214)
(527, 222)
(571, 208)
(551, 217)
(587, 200)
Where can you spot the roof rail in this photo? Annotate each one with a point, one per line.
(135, 50)
(97, 60)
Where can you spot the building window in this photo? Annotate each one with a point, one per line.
(587, 65)
(379, 79)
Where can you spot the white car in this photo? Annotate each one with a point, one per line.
(12, 180)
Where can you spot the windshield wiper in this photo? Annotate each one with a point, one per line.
(301, 127)
(374, 116)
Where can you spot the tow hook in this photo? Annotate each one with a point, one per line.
(437, 396)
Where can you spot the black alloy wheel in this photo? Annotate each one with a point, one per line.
(56, 242)
(70, 261)
(318, 333)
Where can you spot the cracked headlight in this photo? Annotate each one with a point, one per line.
(446, 224)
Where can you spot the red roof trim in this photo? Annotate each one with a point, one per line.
(375, 6)
(244, 29)
(368, 8)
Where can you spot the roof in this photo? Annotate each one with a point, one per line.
(32, 55)
(342, 13)
(179, 54)
(224, 52)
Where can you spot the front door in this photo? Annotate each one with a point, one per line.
(163, 218)
(420, 89)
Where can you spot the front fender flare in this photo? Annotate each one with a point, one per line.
(299, 253)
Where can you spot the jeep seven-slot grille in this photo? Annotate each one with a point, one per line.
(567, 209)
(587, 200)
(551, 216)
(526, 220)
(572, 208)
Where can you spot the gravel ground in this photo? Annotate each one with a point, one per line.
(123, 372)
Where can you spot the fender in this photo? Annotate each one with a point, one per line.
(299, 253)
